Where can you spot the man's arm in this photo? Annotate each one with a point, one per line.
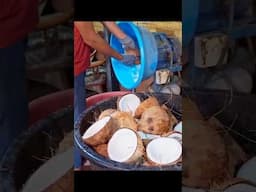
(113, 28)
(94, 40)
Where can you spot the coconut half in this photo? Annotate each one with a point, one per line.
(147, 135)
(99, 132)
(176, 135)
(124, 119)
(128, 103)
(178, 127)
(107, 112)
(125, 146)
(102, 149)
(164, 151)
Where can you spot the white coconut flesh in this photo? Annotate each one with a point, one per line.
(122, 145)
(129, 103)
(164, 150)
(96, 127)
(177, 136)
(178, 127)
(147, 135)
(241, 187)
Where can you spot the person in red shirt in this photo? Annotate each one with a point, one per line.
(86, 38)
(17, 19)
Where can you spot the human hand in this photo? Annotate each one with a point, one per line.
(128, 59)
(127, 43)
(134, 52)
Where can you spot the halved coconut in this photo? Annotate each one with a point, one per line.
(149, 102)
(164, 151)
(107, 112)
(128, 103)
(155, 120)
(241, 187)
(176, 135)
(99, 132)
(102, 149)
(124, 119)
(178, 127)
(147, 135)
(125, 146)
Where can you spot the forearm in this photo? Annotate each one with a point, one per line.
(94, 40)
(113, 28)
(51, 20)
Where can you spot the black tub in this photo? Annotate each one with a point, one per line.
(30, 149)
(100, 163)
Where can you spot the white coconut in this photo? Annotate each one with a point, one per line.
(147, 135)
(164, 150)
(241, 187)
(129, 103)
(99, 132)
(178, 127)
(177, 136)
(125, 146)
(248, 170)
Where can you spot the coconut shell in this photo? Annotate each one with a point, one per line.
(149, 102)
(139, 153)
(155, 120)
(102, 150)
(132, 109)
(103, 135)
(124, 119)
(153, 163)
(107, 112)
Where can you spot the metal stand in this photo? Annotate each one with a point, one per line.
(112, 82)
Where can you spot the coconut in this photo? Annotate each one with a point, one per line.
(125, 146)
(107, 112)
(102, 149)
(176, 135)
(149, 102)
(155, 120)
(99, 132)
(178, 127)
(164, 151)
(128, 103)
(124, 119)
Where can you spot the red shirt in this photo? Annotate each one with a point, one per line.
(82, 53)
(17, 19)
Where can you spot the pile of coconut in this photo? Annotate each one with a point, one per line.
(137, 132)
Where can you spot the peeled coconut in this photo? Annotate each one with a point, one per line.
(149, 102)
(107, 112)
(102, 149)
(124, 119)
(99, 132)
(125, 146)
(164, 151)
(128, 103)
(155, 120)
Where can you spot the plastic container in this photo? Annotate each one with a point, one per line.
(97, 161)
(130, 77)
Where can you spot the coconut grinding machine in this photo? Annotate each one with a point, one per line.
(160, 57)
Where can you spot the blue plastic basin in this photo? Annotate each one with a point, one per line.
(130, 77)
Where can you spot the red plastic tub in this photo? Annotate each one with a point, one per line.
(103, 96)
